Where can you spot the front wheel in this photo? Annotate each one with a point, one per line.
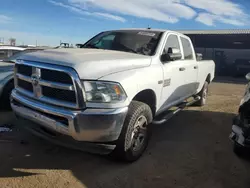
(135, 133)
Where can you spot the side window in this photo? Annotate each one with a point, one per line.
(3, 54)
(172, 42)
(187, 48)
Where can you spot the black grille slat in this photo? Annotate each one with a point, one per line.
(25, 85)
(58, 94)
(24, 70)
(60, 77)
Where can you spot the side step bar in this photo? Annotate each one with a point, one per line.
(180, 108)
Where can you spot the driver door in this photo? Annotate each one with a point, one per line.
(172, 90)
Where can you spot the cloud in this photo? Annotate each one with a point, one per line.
(217, 7)
(4, 19)
(171, 11)
(178, 10)
(210, 19)
(206, 19)
(223, 11)
(82, 11)
(138, 8)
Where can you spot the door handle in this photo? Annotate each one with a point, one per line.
(195, 67)
(182, 69)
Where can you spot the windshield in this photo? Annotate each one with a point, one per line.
(139, 42)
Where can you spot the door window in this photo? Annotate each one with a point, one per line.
(187, 48)
(172, 42)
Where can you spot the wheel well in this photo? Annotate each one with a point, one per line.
(11, 81)
(208, 79)
(147, 96)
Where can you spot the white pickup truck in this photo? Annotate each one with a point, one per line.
(104, 97)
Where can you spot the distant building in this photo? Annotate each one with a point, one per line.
(230, 49)
(12, 41)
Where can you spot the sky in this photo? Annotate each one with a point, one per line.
(47, 22)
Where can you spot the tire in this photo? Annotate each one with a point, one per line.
(238, 149)
(203, 95)
(5, 99)
(135, 133)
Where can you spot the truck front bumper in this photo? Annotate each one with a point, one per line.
(93, 126)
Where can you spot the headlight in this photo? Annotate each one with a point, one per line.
(103, 92)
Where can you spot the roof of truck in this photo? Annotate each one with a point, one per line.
(151, 30)
(146, 29)
(197, 32)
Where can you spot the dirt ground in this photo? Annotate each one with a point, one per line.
(192, 150)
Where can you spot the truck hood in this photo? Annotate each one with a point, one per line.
(90, 63)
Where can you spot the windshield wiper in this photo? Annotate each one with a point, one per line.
(128, 49)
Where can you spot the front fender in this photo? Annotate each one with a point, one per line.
(136, 80)
(5, 78)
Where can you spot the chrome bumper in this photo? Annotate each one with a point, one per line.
(89, 125)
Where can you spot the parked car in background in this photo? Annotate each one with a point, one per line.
(8, 51)
(7, 74)
(241, 124)
(104, 96)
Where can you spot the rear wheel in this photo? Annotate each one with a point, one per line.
(135, 133)
(203, 95)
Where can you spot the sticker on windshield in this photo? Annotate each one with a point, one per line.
(146, 34)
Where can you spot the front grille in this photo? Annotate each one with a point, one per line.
(24, 70)
(59, 94)
(55, 86)
(25, 85)
(61, 77)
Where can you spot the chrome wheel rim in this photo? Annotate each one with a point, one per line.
(205, 94)
(139, 133)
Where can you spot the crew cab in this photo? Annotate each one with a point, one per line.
(105, 96)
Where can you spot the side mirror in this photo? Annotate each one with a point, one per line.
(248, 77)
(199, 57)
(165, 58)
(172, 55)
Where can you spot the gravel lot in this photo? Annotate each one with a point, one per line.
(192, 150)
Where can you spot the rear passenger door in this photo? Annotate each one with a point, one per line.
(190, 68)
